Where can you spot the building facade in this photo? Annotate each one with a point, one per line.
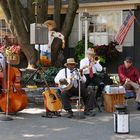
(106, 17)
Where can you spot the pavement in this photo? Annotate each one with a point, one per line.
(29, 125)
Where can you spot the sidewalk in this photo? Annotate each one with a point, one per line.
(29, 125)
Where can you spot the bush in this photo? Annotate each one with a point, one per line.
(38, 78)
(80, 49)
(50, 74)
(108, 52)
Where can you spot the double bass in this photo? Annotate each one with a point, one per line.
(17, 100)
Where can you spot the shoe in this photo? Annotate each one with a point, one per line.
(69, 114)
(90, 113)
(138, 106)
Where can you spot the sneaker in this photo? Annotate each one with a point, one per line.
(69, 114)
(90, 113)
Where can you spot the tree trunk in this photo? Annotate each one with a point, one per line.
(42, 11)
(31, 11)
(57, 56)
(21, 29)
(70, 16)
(19, 19)
(57, 53)
(14, 12)
(57, 13)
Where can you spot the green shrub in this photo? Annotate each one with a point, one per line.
(38, 78)
(50, 74)
(80, 49)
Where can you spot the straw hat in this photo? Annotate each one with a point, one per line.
(50, 24)
(90, 51)
(70, 61)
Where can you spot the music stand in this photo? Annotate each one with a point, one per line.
(79, 113)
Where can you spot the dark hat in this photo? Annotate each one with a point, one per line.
(129, 59)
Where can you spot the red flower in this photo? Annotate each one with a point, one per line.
(15, 49)
(2, 49)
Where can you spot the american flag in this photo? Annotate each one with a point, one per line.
(120, 36)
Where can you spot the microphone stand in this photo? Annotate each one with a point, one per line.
(79, 114)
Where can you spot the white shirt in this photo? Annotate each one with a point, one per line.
(1, 60)
(85, 62)
(61, 75)
(43, 48)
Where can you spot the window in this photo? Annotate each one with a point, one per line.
(104, 26)
(4, 31)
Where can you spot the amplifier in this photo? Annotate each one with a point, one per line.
(38, 34)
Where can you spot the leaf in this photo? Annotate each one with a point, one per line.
(80, 49)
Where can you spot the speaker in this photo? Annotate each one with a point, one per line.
(38, 34)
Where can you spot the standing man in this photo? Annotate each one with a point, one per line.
(68, 76)
(130, 77)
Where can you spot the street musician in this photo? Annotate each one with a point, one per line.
(68, 76)
(90, 67)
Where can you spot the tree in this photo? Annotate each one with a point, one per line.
(19, 19)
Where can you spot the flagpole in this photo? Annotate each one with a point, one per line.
(137, 22)
(135, 19)
(138, 30)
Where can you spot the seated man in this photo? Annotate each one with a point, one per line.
(90, 66)
(130, 77)
(70, 73)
